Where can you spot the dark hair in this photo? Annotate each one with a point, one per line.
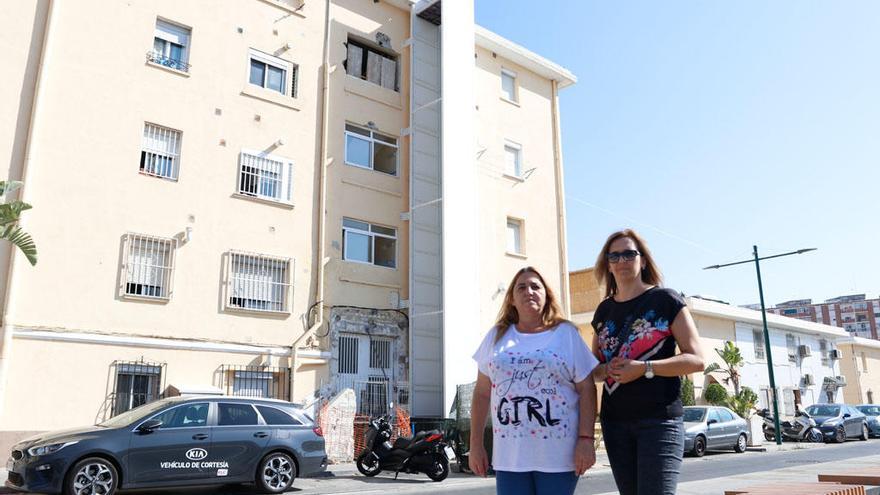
(650, 273)
(508, 315)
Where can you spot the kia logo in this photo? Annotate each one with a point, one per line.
(196, 454)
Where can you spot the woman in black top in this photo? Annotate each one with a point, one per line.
(637, 328)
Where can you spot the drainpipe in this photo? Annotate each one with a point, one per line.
(322, 201)
(5, 327)
(560, 201)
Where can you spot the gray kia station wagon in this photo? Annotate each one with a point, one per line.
(179, 441)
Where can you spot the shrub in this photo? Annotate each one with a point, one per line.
(716, 395)
(687, 392)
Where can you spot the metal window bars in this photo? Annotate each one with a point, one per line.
(160, 153)
(166, 61)
(271, 382)
(148, 266)
(258, 282)
(136, 383)
(264, 177)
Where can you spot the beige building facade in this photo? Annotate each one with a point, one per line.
(860, 363)
(249, 201)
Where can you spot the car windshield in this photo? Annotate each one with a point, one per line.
(694, 414)
(823, 411)
(869, 410)
(135, 414)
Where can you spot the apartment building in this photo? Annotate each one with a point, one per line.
(856, 314)
(860, 361)
(280, 198)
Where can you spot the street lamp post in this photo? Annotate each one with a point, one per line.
(757, 262)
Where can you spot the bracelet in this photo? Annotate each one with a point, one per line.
(588, 437)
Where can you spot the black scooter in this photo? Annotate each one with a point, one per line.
(423, 453)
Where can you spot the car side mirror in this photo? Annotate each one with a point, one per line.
(847, 415)
(711, 421)
(149, 426)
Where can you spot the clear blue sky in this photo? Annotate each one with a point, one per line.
(713, 126)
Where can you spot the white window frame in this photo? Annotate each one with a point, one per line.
(371, 139)
(136, 267)
(171, 33)
(152, 156)
(791, 349)
(517, 171)
(520, 236)
(247, 285)
(261, 160)
(290, 72)
(758, 338)
(512, 75)
(372, 235)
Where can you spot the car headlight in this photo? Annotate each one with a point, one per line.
(831, 422)
(49, 448)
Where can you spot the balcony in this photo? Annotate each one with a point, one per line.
(159, 59)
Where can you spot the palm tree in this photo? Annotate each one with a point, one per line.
(733, 360)
(10, 211)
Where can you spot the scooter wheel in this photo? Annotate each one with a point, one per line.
(368, 465)
(439, 469)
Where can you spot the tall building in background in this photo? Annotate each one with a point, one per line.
(278, 198)
(854, 313)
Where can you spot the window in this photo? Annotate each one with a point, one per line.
(230, 414)
(508, 85)
(257, 282)
(864, 363)
(170, 46)
(148, 266)
(725, 414)
(713, 414)
(368, 149)
(372, 64)
(273, 73)
(348, 355)
(265, 176)
(136, 384)
(758, 339)
(512, 159)
(380, 353)
(823, 352)
(185, 416)
(514, 236)
(251, 383)
(275, 416)
(160, 151)
(791, 345)
(369, 243)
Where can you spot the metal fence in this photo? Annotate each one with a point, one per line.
(255, 381)
(135, 383)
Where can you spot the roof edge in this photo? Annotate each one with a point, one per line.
(523, 56)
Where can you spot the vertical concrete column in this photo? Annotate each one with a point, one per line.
(461, 331)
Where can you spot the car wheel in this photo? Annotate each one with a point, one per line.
(439, 469)
(741, 444)
(276, 473)
(699, 446)
(840, 435)
(92, 475)
(368, 465)
(864, 436)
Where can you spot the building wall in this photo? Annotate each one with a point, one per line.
(714, 332)
(860, 364)
(586, 293)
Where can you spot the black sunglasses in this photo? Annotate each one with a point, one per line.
(628, 255)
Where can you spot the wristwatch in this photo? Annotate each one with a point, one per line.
(649, 370)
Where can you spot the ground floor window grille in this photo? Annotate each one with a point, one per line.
(148, 266)
(136, 383)
(255, 381)
(258, 282)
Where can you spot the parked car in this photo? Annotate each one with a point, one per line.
(174, 442)
(872, 415)
(839, 422)
(713, 428)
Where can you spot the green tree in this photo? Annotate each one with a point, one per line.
(687, 392)
(744, 402)
(716, 395)
(10, 212)
(733, 360)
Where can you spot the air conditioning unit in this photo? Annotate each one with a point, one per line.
(804, 351)
(808, 380)
(841, 380)
(834, 354)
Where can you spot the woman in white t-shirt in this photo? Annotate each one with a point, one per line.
(534, 378)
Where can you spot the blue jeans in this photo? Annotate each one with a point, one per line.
(645, 454)
(535, 483)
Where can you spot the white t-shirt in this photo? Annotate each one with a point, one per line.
(534, 403)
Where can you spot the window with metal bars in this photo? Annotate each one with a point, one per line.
(265, 176)
(257, 282)
(160, 152)
(348, 355)
(380, 353)
(148, 266)
(256, 381)
(170, 46)
(136, 383)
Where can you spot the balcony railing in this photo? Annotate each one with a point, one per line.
(159, 59)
